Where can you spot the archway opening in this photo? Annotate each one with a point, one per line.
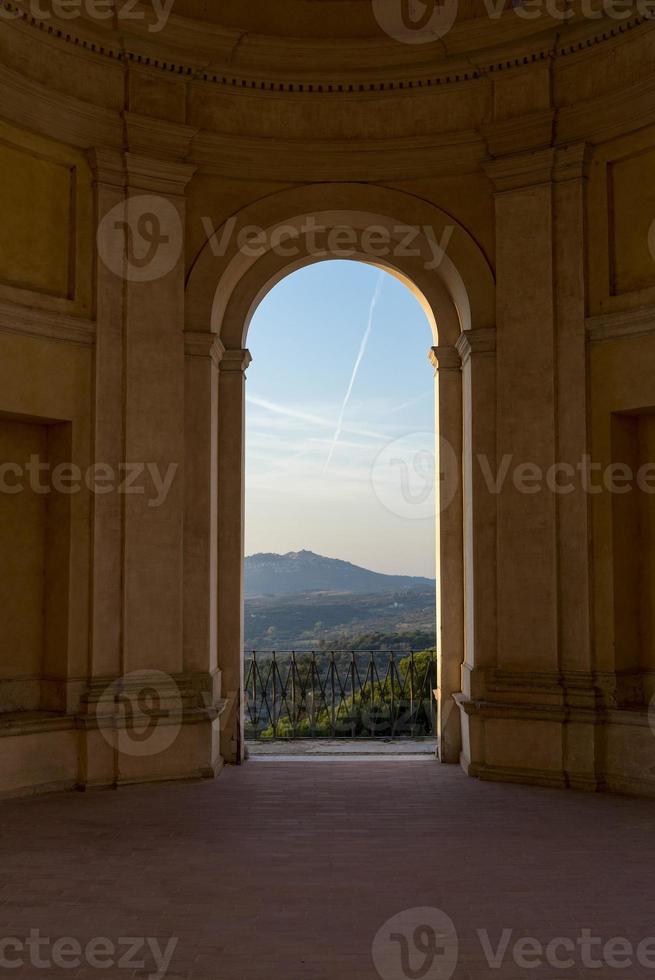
(340, 583)
(448, 271)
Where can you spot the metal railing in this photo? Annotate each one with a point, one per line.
(340, 695)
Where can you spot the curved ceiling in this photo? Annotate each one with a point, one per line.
(364, 40)
(344, 45)
(303, 18)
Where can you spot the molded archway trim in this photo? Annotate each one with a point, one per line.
(445, 268)
(421, 244)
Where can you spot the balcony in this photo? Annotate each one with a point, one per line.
(363, 695)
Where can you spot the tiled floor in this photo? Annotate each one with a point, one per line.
(289, 870)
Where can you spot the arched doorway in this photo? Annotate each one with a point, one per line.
(446, 270)
(340, 601)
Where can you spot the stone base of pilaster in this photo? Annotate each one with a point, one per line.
(591, 748)
(130, 730)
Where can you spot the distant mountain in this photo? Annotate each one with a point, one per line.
(302, 571)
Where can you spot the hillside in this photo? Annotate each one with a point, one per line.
(301, 572)
(323, 620)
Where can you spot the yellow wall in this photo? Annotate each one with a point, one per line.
(621, 210)
(22, 556)
(623, 426)
(46, 232)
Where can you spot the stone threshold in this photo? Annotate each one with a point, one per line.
(346, 749)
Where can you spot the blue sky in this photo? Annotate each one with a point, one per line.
(312, 483)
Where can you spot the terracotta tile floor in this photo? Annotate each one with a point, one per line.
(288, 870)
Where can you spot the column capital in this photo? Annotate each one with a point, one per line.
(148, 136)
(158, 176)
(572, 162)
(107, 166)
(524, 134)
(156, 151)
(235, 361)
(198, 344)
(472, 342)
(521, 170)
(444, 359)
(517, 171)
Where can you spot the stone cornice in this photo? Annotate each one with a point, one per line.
(611, 114)
(52, 113)
(49, 326)
(197, 344)
(43, 109)
(538, 166)
(621, 326)
(396, 158)
(148, 53)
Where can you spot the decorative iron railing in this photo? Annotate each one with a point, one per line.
(340, 695)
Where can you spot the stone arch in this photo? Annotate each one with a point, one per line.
(448, 272)
(222, 274)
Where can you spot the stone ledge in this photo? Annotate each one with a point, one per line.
(637, 717)
(18, 723)
(48, 326)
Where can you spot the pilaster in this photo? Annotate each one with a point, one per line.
(526, 407)
(574, 565)
(231, 542)
(477, 349)
(154, 407)
(450, 570)
(109, 448)
(203, 353)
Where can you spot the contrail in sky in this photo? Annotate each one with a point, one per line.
(360, 356)
(293, 413)
(412, 401)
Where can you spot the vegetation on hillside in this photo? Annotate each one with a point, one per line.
(318, 697)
